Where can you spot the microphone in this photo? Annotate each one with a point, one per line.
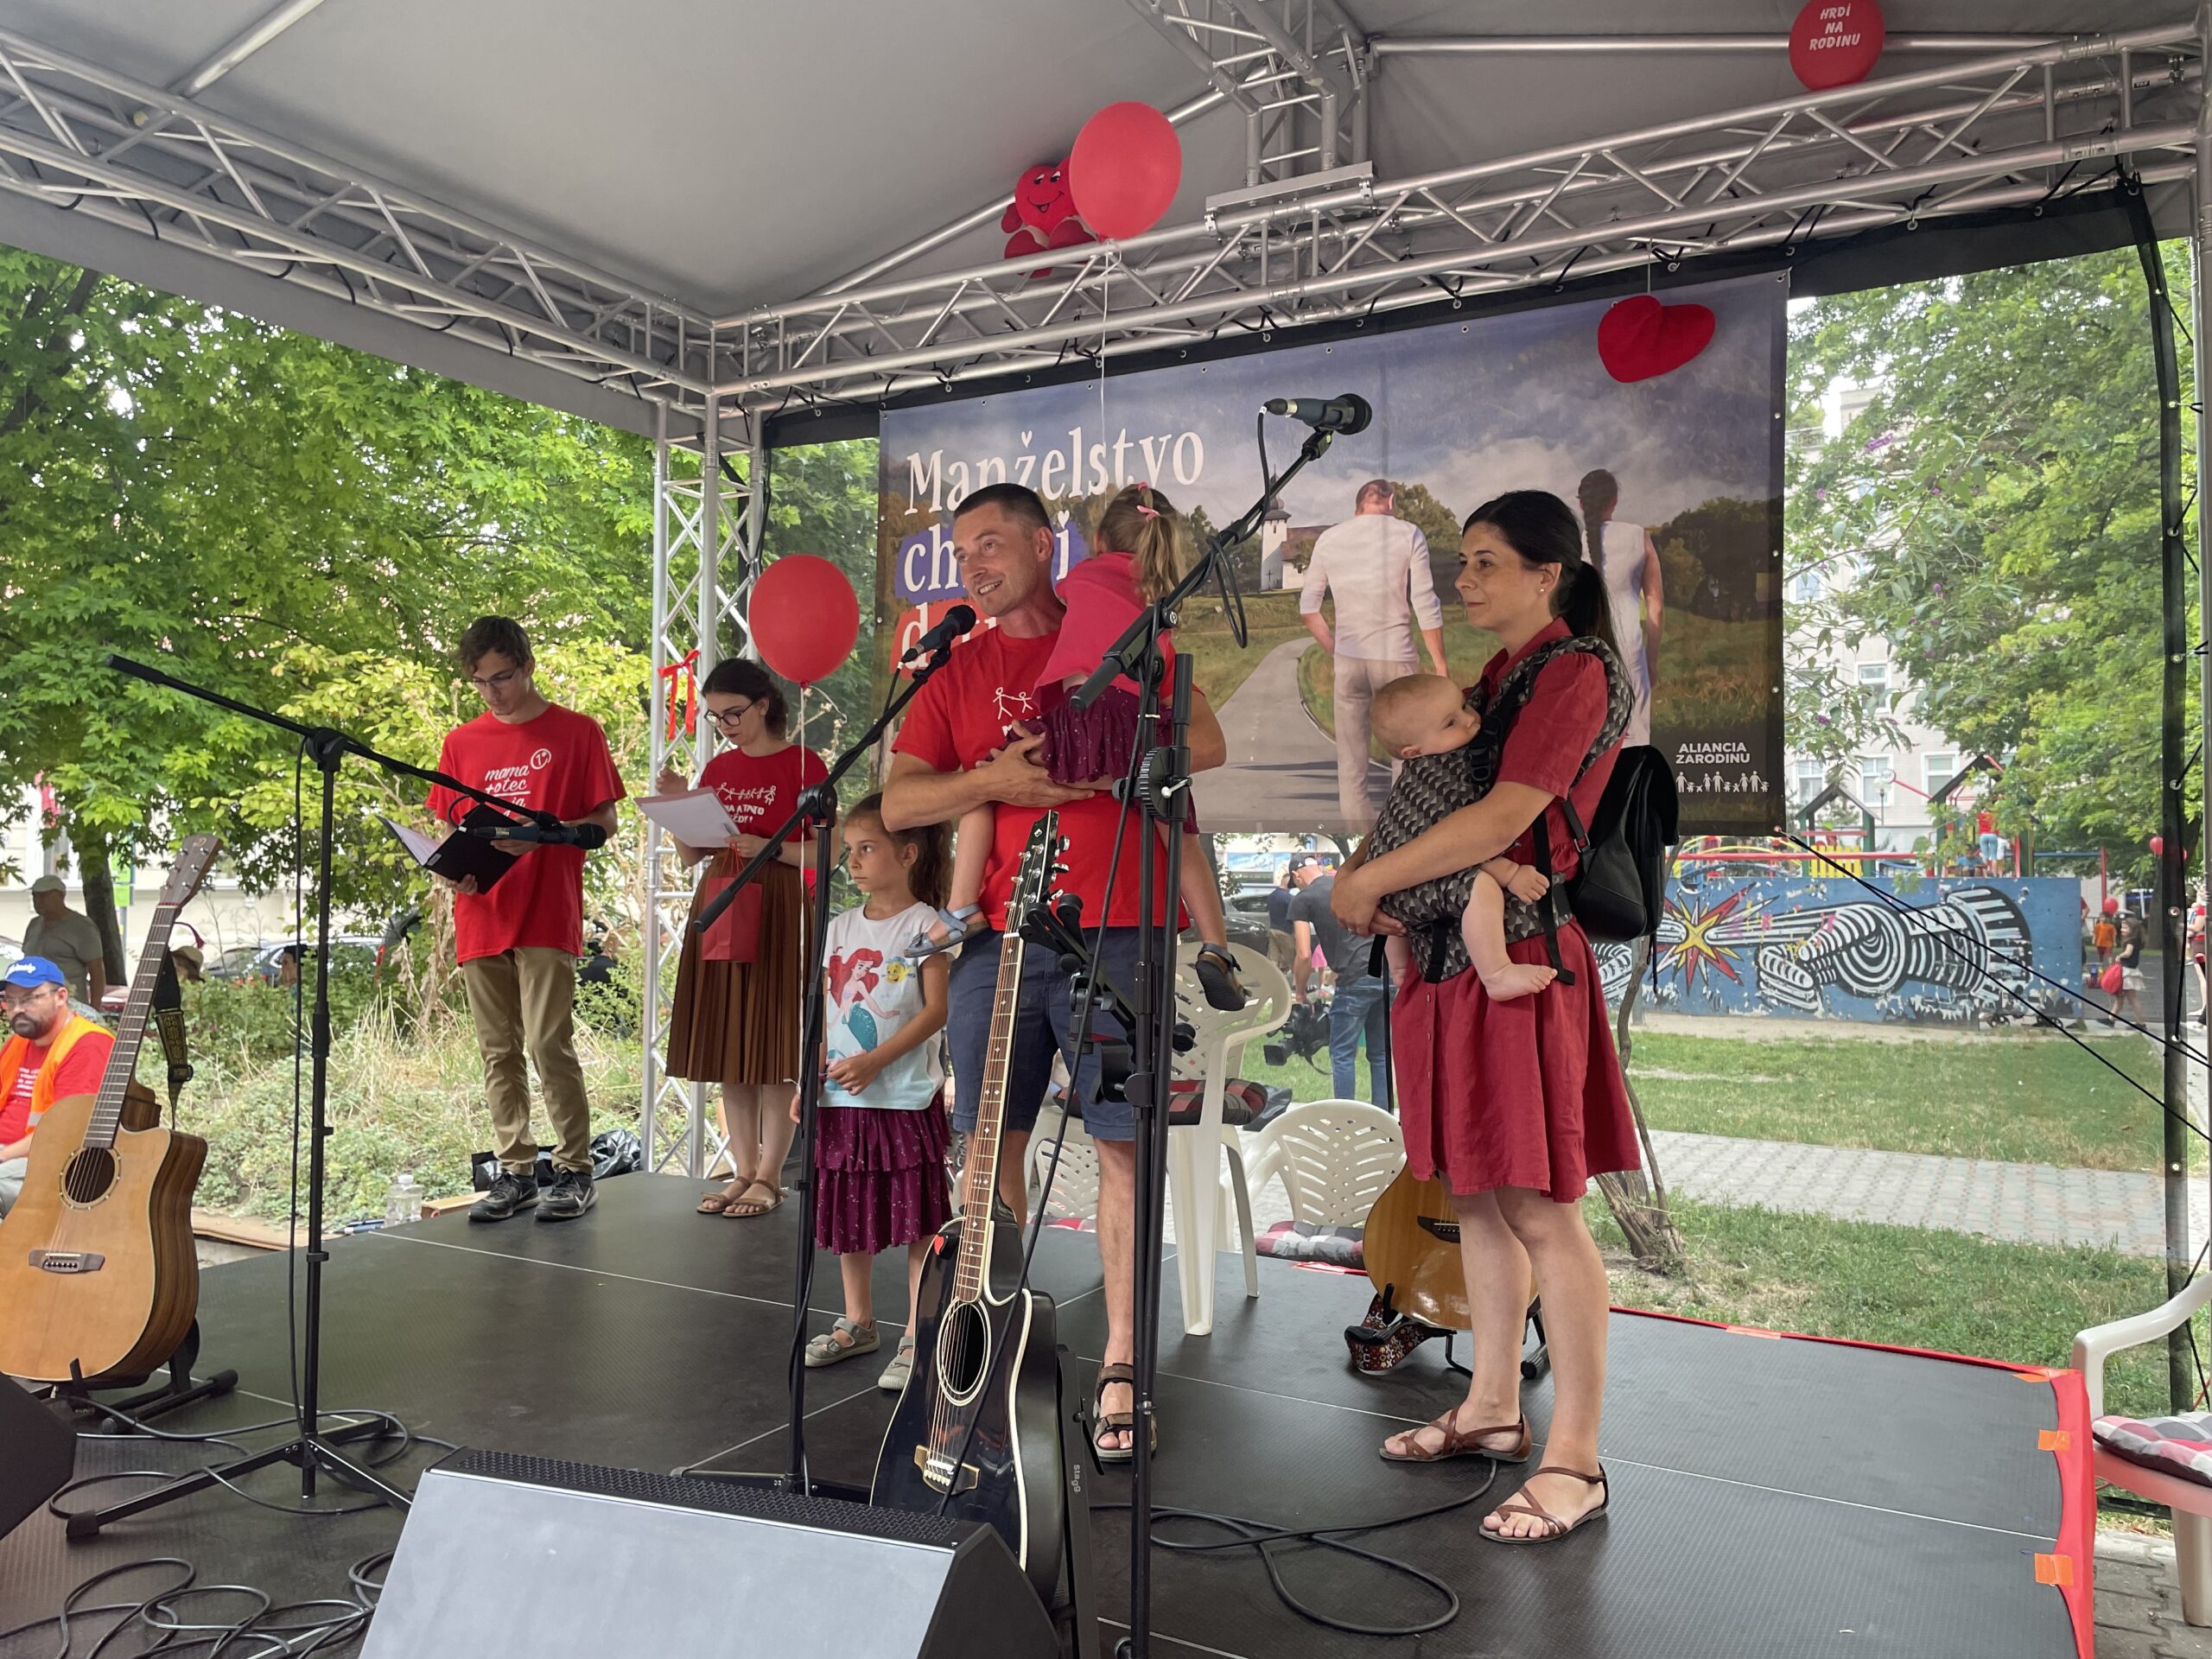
(957, 620)
(1348, 412)
(586, 835)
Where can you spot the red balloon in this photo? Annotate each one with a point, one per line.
(2112, 906)
(805, 617)
(1124, 168)
(1834, 43)
(2158, 846)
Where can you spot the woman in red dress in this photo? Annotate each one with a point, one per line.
(1518, 1103)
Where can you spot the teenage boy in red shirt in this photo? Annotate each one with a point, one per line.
(518, 943)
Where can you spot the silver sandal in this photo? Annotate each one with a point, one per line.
(959, 926)
(900, 1368)
(826, 1349)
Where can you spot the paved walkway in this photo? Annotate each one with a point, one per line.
(2026, 1204)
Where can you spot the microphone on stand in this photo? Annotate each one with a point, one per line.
(586, 835)
(1348, 412)
(957, 620)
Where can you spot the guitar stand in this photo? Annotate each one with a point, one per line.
(181, 1390)
(1076, 1618)
(1534, 1361)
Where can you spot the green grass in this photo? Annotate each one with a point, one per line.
(1904, 1285)
(2021, 1100)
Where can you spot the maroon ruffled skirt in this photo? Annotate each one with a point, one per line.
(1083, 744)
(1526, 1093)
(880, 1177)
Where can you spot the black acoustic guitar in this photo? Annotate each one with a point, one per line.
(977, 1432)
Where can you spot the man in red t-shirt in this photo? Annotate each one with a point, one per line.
(951, 754)
(519, 942)
(51, 1053)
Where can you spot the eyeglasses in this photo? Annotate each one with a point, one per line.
(727, 718)
(498, 682)
(13, 997)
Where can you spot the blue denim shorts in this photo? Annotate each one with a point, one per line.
(1043, 1022)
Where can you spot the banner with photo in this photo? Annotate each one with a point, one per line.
(1682, 472)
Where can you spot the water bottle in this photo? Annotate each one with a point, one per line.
(402, 1202)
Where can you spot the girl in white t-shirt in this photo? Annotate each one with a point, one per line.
(880, 1134)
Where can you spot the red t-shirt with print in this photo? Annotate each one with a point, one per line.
(960, 718)
(557, 762)
(760, 792)
(79, 1073)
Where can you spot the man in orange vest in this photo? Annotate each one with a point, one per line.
(52, 1052)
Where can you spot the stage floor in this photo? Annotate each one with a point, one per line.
(1771, 1498)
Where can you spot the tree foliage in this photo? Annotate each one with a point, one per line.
(287, 522)
(1996, 507)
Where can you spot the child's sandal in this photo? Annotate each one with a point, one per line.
(958, 924)
(1216, 967)
(826, 1349)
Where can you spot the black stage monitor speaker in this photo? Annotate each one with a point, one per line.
(38, 1452)
(508, 1557)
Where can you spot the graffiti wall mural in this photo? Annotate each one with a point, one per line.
(1941, 952)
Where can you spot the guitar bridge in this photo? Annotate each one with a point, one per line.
(940, 1475)
(67, 1260)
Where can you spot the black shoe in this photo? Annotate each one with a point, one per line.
(509, 1193)
(573, 1193)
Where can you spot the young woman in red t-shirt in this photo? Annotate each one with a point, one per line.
(736, 1022)
(1517, 1104)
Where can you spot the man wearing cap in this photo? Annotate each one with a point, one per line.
(67, 939)
(52, 1053)
(1361, 1006)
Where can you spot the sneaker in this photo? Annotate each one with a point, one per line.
(900, 1368)
(572, 1194)
(509, 1193)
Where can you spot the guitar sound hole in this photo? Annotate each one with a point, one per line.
(964, 1347)
(90, 1172)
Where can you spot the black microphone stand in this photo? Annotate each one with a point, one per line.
(1163, 786)
(818, 805)
(312, 1449)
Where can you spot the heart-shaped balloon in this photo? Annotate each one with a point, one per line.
(1640, 338)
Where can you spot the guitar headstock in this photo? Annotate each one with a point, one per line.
(194, 859)
(1034, 878)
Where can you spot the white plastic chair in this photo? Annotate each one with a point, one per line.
(2191, 1504)
(1333, 1157)
(1075, 1181)
(1195, 1174)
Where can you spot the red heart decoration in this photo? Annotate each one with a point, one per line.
(1640, 338)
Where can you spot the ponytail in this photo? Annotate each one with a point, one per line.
(1584, 605)
(1598, 492)
(1143, 523)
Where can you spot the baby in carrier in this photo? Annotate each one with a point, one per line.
(1424, 722)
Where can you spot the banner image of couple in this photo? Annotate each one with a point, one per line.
(1349, 583)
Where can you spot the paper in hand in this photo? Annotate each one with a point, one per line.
(695, 818)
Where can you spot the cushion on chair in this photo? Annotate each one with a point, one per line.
(1301, 1241)
(2178, 1446)
(1241, 1101)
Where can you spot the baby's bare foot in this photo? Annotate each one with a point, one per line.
(1517, 979)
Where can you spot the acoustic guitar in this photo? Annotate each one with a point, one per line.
(97, 1270)
(1411, 1245)
(977, 1432)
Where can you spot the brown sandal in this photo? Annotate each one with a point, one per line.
(751, 1207)
(1555, 1528)
(1457, 1443)
(1104, 1422)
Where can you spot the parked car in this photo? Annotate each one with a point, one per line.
(264, 962)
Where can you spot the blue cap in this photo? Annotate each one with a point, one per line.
(34, 970)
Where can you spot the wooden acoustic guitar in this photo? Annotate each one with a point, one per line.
(1411, 1245)
(97, 1270)
(977, 1432)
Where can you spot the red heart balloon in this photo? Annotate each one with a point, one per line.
(1640, 338)
(1834, 43)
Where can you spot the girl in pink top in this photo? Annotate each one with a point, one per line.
(1137, 553)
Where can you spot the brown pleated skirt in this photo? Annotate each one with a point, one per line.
(739, 1022)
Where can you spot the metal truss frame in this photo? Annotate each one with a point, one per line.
(708, 520)
(1297, 69)
(2010, 128)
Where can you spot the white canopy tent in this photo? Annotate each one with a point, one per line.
(700, 220)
